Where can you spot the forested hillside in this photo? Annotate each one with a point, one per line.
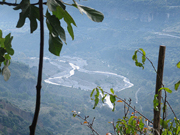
(107, 46)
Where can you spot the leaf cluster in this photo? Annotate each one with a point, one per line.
(6, 52)
(134, 57)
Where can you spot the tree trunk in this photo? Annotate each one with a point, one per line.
(39, 80)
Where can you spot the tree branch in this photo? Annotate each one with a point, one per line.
(15, 4)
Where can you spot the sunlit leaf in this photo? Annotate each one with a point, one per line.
(143, 56)
(53, 4)
(176, 86)
(92, 14)
(92, 92)
(112, 91)
(166, 89)
(178, 65)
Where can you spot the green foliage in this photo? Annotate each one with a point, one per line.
(132, 125)
(134, 57)
(6, 52)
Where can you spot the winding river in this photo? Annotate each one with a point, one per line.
(73, 73)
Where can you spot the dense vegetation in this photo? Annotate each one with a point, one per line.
(128, 35)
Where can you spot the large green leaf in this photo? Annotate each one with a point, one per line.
(60, 13)
(28, 11)
(92, 14)
(55, 45)
(54, 26)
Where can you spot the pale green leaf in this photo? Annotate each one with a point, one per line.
(53, 4)
(6, 73)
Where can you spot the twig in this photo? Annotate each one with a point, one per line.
(89, 124)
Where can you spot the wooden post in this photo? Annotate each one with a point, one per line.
(159, 79)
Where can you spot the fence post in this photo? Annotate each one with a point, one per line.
(159, 79)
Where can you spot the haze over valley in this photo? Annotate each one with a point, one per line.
(100, 55)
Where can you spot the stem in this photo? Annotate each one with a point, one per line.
(38, 86)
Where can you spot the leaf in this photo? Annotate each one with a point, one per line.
(112, 98)
(7, 57)
(166, 89)
(85, 122)
(112, 91)
(70, 30)
(28, 11)
(176, 86)
(134, 57)
(53, 4)
(2, 58)
(92, 92)
(119, 101)
(101, 90)
(6, 73)
(54, 26)
(91, 13)
(178, 130)
(178, 65)
(96, 101)
(104, 98)
(60, 13)
(0, 33)
(141, 124)
(55, 45)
